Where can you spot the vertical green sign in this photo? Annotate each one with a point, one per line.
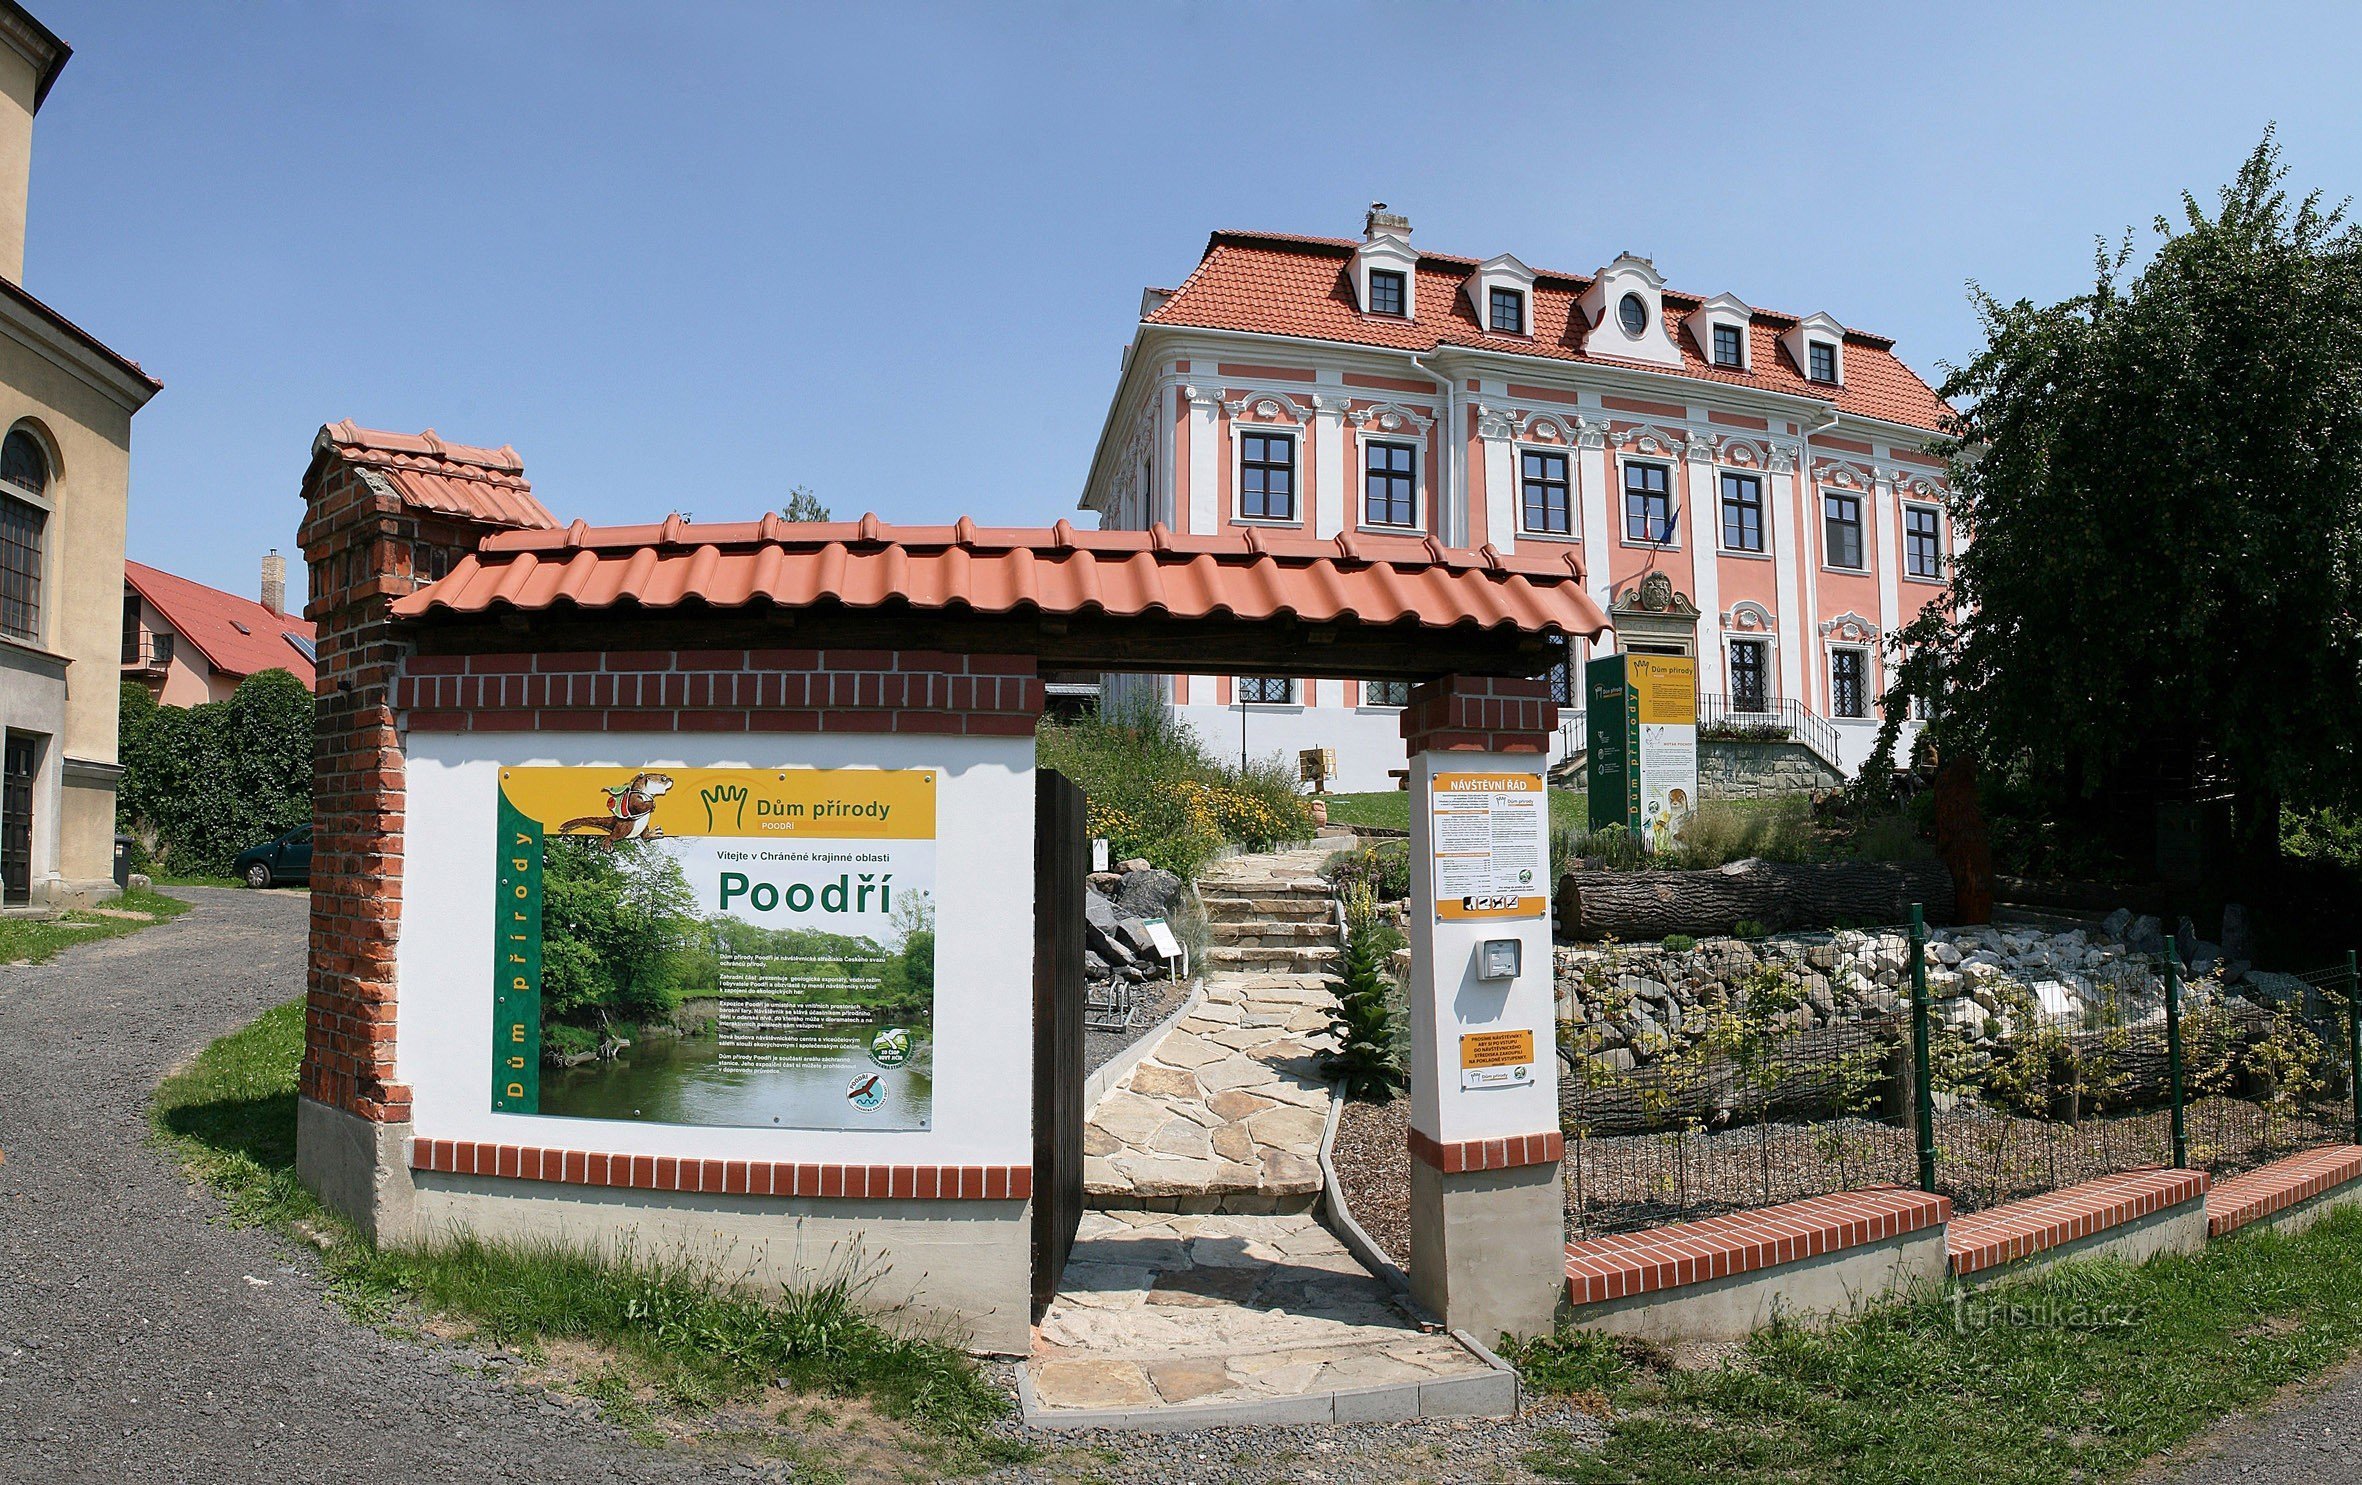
(1614, 742)
(516, 965)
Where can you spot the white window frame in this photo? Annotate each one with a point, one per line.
(1671, 464)
(1869, 683)
(1771, 668)
(1363, 701)
(1240, 428)
(1412, 434)
(1936, 577)
(1861, 500)
(1763, 513)
(1238, 694)
(1518, 449)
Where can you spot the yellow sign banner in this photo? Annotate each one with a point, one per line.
(627, 804)
(1665, 688)
(1496, 1049)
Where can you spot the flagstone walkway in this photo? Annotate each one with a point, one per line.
(1226, 1110)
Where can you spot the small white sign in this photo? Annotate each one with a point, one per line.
(1519, 1076)
(1099, 854)
(1160, 934)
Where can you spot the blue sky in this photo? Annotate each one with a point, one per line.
(689, 255)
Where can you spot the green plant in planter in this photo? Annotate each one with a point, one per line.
(1365, 1060)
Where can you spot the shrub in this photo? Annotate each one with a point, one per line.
(1612, 847)
(1155, 792)
(1721, 832)
(1678, 943)
(205, 782)
(1750, 928)
(1890, 838)
(1367, 1061)
(1382, 866)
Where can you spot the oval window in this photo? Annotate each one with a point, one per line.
(1633, 313)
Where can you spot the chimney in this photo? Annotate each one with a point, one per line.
(30, 58)
(1381, 222)
(274, 582)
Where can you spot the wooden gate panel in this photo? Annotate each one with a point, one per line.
(1061, 857)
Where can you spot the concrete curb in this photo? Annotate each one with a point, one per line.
(1337, 1216)
(1491, 1394)
(1102, 1082)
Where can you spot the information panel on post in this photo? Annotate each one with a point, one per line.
(1491, 834)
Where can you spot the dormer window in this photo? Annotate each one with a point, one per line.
(1729, 348)
(1823, 367)
(1508, 312)
(1816, 343)
(1623, 315)
(1632, 314)
(1383, 265)
(1388, 290)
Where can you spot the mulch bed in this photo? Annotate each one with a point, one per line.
(1373, 1159)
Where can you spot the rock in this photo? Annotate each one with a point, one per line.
(2116, 923)
(2238, 933)
(1134, 933)
(2146, 936)
(1136, 863)
(1157, 1081)
(1094, 967)
(1147, 893)
(1103, 882)
(1100, 913)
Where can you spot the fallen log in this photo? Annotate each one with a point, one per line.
(1638, 905)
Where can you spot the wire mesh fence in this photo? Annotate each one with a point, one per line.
(1709, 1078)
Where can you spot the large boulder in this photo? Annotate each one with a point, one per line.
(1147, 893)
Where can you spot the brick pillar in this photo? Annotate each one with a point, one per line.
(1488, 1228)
(365, 548)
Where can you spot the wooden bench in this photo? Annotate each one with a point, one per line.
(1725, 1277)
(2132, 1215)
(2290, 1194)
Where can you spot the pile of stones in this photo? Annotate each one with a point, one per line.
(1633, 1004)
(1116, 945)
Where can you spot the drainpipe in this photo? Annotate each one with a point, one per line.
(1454, 450)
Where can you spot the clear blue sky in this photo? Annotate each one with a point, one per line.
(688, 255)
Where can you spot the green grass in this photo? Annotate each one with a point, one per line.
(31, 940)
(681, 1336)
(1390, 809)
(2078, 1374)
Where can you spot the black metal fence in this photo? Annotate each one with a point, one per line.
(1732, 1075)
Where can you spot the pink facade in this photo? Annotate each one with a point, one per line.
(1774, 466)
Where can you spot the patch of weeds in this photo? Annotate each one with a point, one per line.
(33, 940)
(620, 1405)
(1569, 1363)
(680, 1336)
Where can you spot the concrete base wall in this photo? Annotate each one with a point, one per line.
(2177, 1229)
(1488, 1249)
(962, 1269)
(1830, 1286)
(1761, 770)
(2296, 1219)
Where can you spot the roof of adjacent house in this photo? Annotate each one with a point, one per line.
(237, 636)
(1276, 284)
(453, 479)
(1055, 571)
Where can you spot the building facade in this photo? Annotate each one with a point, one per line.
(1773, 467)
(66, 403)
(188, 643)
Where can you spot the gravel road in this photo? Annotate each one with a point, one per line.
(142, 1342)
(2311, 1438)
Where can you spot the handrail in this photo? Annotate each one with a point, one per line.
(1785, 716)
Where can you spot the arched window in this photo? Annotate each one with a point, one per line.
(24, 467)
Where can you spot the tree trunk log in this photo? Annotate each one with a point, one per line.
(1651, 904)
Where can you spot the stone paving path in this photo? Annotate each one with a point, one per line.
(1157, 1309)
(1226, 1110)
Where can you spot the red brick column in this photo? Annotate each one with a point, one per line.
(1479, 714)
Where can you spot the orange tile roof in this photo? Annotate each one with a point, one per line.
(1275, 284)
(1061, 570)
(237, 636)
(452, 479)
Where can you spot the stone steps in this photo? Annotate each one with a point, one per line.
(1287, 958)
(1268, 933)
(1302, 908)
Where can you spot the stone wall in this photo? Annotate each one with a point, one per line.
(1758, 770)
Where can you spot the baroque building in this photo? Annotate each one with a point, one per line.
(1773, 467)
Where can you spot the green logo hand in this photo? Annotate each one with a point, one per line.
(720, 794)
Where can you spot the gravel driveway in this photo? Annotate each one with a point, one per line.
(2314, 1437)
(141, 1342)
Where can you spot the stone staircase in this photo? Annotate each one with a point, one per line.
(1225, 1112)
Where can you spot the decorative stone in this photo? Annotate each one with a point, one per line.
(1157, 1081)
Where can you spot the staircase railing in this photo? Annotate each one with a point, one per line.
(1784, 720)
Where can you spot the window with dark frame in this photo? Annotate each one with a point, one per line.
(1385, 693)
(1267, 476)
(21, 526)
(1848, 688)
(1748, 693)
(23, 464)
(1923, 553)
(1543, 482)
(1822, 361)
(1727, 348)
(1562, 683)
(1508, 311)
(1648, 503)
(1389, 488)
(1632, 314)
(1841, 524)
(1742, 512)
(1386, 292)
(1266, 690)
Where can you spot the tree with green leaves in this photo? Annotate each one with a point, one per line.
(202, 783)
(803, 505)
(2159, 483)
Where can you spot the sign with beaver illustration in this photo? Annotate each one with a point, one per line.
(716, 946)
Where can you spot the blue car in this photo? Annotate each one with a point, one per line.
(286, 861)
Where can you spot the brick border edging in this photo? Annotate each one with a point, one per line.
(2269, 1190)
(1463, 1157)
(725, 1177)
(2021, 1229)
(1658, 1259)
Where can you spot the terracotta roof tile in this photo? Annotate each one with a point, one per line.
(237, 636)
(453, 479)
(1272, 283)
(1060, 570)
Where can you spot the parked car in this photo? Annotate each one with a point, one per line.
(278, 862)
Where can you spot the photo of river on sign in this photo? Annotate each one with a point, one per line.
(716, 946)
